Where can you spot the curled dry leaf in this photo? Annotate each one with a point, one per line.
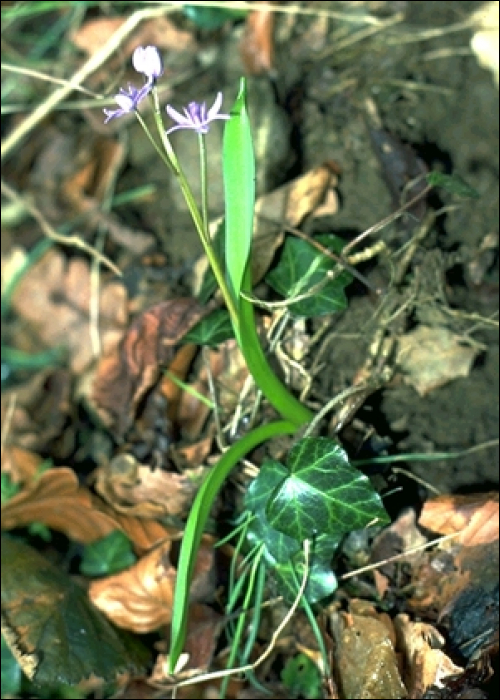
(140, 598)
(426, 664)
(140, 490)
(131, 369)
(474, 516)
(54, 299)
(161, 32)
(431, 357)
(21, 465)
(42, 419)
(58, 501)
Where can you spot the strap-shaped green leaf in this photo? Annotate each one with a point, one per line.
(239, 191)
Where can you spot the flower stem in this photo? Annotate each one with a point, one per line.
(200, 220)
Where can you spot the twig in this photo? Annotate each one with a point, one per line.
(94, 62)
(51, 233)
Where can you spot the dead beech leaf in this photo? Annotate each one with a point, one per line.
(144, 533)
(93, 34)
(425, 662)
(140, 598)
(58, 501)
(140, 490)
(54, 299)
(229, 373)
(21, 465)
(160, 32)
(431, 357)
(43, 415)
(256, 45)
(474, 516)
(132, 368)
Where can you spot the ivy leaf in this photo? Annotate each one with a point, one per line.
(283, 555)
(452, 183)
(302, 268)
(53, 630)
(108, 555)
(321, 493)
(212, 330)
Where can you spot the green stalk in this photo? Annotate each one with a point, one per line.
(196, 522)
(239, 186)
(201, 225)
(271, 386)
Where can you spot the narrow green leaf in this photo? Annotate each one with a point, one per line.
(108, 555)
(239, 191)
(302, 269)
(196, 522)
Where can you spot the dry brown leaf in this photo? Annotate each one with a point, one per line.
(140, 598)
(160, 32)
(365, 659)
(136, 489)
(425, 662)
(402, 535)
(256, 45)
(474, 516)
(132, 368)
(431, 357)
(286, 206)
(229, 373)
(93, 34)
(199, 648)
(54, 299)
(21, 465)
(58, 501)
(144, 533)
(42, 418)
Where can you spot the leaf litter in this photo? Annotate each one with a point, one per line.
(114, 363)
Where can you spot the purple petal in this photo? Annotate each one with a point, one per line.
(178, 117)
(214, 109)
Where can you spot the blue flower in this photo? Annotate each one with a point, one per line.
(196, 116)
(147, 60)
(127, 101)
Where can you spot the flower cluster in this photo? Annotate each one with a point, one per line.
(147, 60)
